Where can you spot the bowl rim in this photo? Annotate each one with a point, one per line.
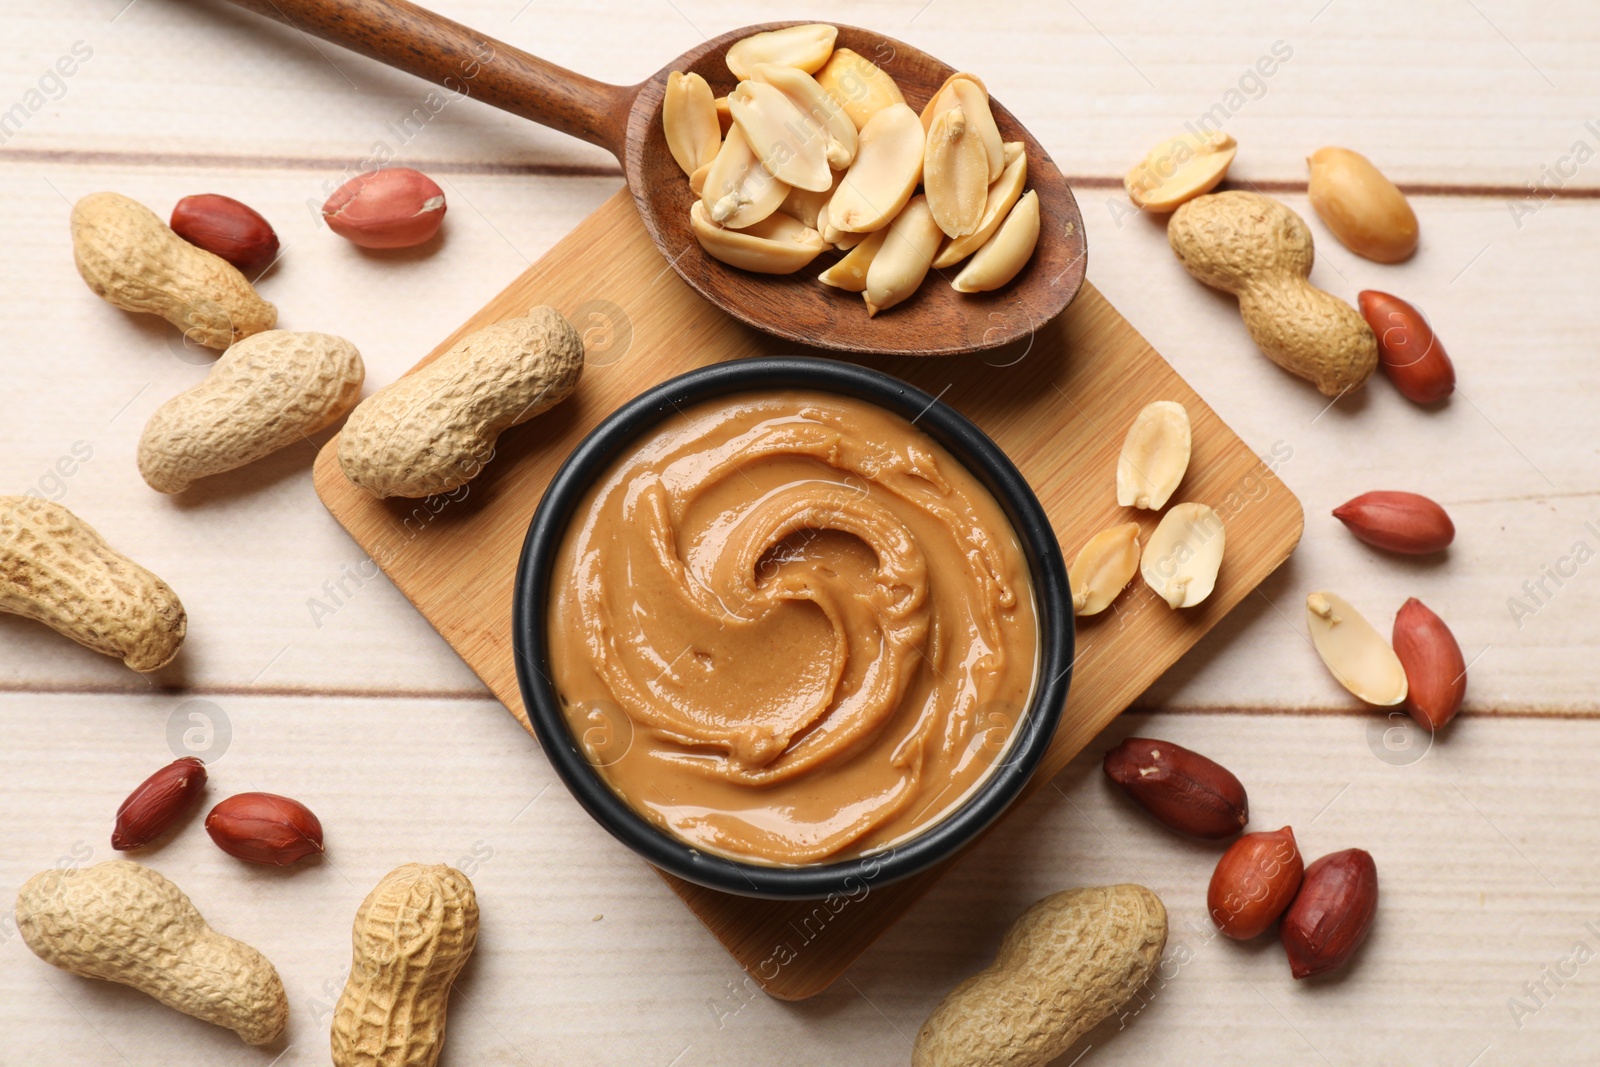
(970, 446)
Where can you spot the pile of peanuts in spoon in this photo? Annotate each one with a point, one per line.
(816, 150)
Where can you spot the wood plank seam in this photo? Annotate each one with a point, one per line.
(489, 168)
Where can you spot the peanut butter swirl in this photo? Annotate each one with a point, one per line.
(790, 627)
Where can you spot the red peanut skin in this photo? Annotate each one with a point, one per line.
(265, 828)
(1332, 914)
(1436, 671)
(224, 227)
(1254, 882)
(1408, 523)
(396, 207)
(158, 802)
(1184, 790)
(1408, 351)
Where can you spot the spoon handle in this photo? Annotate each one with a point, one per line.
(415, 40)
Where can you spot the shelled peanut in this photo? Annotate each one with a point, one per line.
(158, 803)
(835, 161)
(1180, 559)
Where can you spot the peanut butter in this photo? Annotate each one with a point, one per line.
(790, 627)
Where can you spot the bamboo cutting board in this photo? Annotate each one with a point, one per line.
(1059, 404)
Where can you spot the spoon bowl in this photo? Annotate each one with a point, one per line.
(626, 120)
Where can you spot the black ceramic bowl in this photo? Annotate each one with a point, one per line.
(969, 445)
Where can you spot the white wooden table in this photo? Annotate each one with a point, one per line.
(1487, 841)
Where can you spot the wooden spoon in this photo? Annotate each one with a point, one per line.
(626, 121)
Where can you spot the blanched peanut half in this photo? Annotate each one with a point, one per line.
(805, 205)
(1003, 194)
(817, 105)
(850, 273)
(944, 97)
(804, 47)
(861, 86)
(737, 190)
(1103, 568)
(1007, 252)
(689, 117)
(724, 116)
(1154, 456)
(697, 180)
(887, 167)
(1183, 555)
(1360, 659)
(843, 240)
(968, 93)
(955, 173)
(792, 147)
(775, 245)
(1179, 169)
(1365, 210)
(903, 261)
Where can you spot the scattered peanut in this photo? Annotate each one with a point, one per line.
(1005, 254)
(265, 828)
(689, 119)
(158, 803)
(1103, 568)
(122, 922)
(1408, 523)
(1257, 249)
(1407, 350)
(1253, 882)
(1366, 211)
(1183, 555)
(1182, 789)
(55, 569)
(1154, 457)
(1436, 671)
(413, 934)
(434, 429)
(267, 392)
(1332, 913)
(1179, 169)
(136, 262)
(1066, 964)
(395, 207)
(1355, 653)
(224, 227)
